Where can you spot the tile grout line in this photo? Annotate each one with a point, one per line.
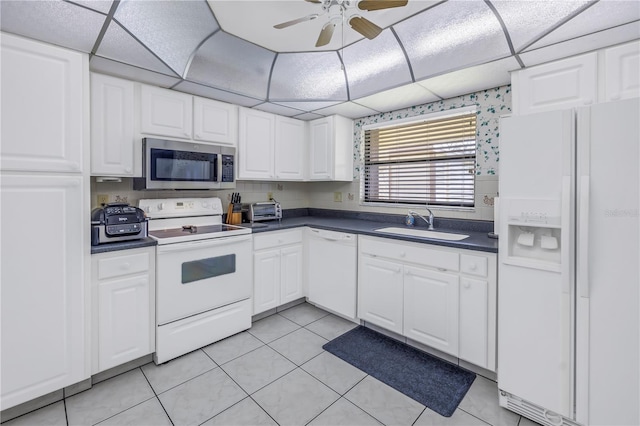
(156, 395)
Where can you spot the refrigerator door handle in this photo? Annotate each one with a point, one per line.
(565, 223)
(583, 242)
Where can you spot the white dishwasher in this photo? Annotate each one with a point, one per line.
(332, 263)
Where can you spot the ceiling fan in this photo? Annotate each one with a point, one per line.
(357, 22)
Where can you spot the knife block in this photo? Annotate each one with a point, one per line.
(233, 218)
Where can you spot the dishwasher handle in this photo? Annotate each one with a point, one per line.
(332, 237)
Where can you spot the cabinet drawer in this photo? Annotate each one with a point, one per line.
(123, 265)
(473, 265)
(277, 239)
(410, 253)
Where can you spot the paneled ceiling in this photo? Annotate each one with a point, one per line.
(230, 51)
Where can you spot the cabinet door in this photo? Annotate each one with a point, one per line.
(165, 112)
(557, 85)
(43, 285)
(290, 149)
(43, 104)
(123, 317)
(256, 142)
(380, 292)
(111, 126)
(474, 321)
(431, 308)
(290, 274)
(215, 121)
(622, 72)
(321, 149)
(266, 281)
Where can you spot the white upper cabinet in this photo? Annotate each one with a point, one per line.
(44, 96)
(331, 149)
(112, 126)
(256, 144)
(165, 112)
(290, 149)
(215, 121)
(567, 83)
(606, 75)
(620, 72)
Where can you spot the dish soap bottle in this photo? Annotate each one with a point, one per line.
(409, 220)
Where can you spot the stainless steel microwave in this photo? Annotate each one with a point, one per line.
(168, 164)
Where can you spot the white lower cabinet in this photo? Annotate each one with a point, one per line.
(277, 268)
(431, 308)
(442, 297)
(124, 308)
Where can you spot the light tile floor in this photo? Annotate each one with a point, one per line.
(276, 373)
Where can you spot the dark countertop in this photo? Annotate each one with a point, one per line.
(124, 245)
(478, 240)
(356, 223)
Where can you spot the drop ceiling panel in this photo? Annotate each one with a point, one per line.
(401, 97)
(108, 66)
(171, 29)
(308, 116)
(118, 45)
(220, 95)
(579, 45)
(348, 109)
(100, 5)
(526, 21)
(375, 65)
(473, 79)
(278, 109)
(600, 16)
(452, 35)
(230, 63)
(308, 76)
(307, 106)
(55, 22)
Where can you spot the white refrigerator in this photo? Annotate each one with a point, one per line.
(569, 256)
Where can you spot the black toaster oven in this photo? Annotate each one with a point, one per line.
(117, 222)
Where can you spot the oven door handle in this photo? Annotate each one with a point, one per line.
(199, 244)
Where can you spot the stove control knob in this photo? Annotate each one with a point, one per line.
(205, 204)
(161, 206)
(146, 209)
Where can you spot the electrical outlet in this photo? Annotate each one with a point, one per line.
(103, 199)
(269, 195)
(337, 197)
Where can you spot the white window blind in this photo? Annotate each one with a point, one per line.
(428, 162)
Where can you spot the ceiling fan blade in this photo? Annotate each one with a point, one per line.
(381, 4)
(365, 27)
(296, 21)
(325, 35)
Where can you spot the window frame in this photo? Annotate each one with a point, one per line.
(436, 115)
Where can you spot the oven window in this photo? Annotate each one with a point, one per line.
(172, 165)
(208, 268)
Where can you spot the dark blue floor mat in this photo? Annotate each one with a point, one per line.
(433, 382)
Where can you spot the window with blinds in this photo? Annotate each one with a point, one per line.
(428, 162)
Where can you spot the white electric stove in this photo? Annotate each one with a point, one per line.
(203, 274)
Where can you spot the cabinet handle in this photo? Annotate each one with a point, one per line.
(402, 254)
(473, 267)
(615, 97)
(588, 101)
(125, 266)
(280, 241)
(466, 284)
(408, 273)
(442, 269)
(198, 136)
(397, 271)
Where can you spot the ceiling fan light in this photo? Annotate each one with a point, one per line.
(365, 27)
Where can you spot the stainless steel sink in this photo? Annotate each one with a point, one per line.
(424, 233)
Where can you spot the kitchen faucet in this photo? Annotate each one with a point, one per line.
(429, 221)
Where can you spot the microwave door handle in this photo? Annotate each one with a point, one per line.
(219, 168)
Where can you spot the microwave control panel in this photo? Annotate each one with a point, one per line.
(227, 168)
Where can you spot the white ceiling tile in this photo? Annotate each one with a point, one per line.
(212, 93)
(100, 5)
(602, 15)
(452, 35)
(584, 44)
(55, 22)
(528, 20)
(348, 109)
(171, 29)
(308, 116)
(118, 69)
(375, 65)
(473, 79)
(308, 76)
(398, 98)
(308, 106)
(232, 64)
(278, 109)
(117, 44)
